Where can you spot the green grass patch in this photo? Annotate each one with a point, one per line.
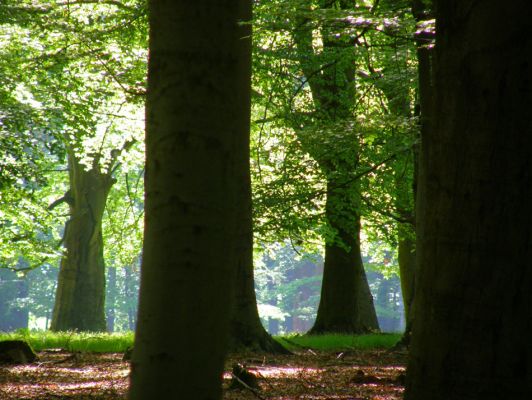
(332, 342)
(71, 341)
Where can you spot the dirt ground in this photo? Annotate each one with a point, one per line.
(307, 375)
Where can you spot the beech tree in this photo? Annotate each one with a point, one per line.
(473, 302)
(197, 127)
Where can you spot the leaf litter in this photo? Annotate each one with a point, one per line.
(350, 375)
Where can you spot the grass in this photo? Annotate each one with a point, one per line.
(332, 342)
(119, 342)
(71, 341)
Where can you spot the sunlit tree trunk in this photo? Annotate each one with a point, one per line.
(473, 305)
(198, 109)
(347, 307)
(80, 294)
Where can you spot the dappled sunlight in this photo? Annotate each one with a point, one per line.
(65, 375)
(357, 375)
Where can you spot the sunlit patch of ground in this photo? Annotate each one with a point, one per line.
(357, 375)
(354, 375)
(62, 375)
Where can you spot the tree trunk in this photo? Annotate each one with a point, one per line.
(473, 305)
(80, 294)
(408, 266)
(198, 109)
(128, 291)
(13, 314)
(346, 303)
(247, 332)
(111, 298)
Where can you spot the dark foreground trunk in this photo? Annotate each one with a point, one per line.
(473, 306)
(197, 116)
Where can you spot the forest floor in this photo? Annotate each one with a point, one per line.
(308, 375)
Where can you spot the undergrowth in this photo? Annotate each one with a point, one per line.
(72, 341)
(119, 342)
(334, 342)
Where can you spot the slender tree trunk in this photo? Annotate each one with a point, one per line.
(473, 305)
(128, 291)
(198, 109)
(407, 257)
(80, 294)
(111, 298)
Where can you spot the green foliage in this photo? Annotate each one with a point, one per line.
(339, 342)
(73, 81)
(71, 341)
(353, 132)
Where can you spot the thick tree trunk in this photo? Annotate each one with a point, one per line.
(80, 294)
(198, 109)
(346, 303)
(473, 305)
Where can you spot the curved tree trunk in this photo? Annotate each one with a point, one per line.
(197, 116)
(473, 305)
(346, 303)
(80, 295)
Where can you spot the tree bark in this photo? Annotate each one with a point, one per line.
(346, 303)
(80, 294)
(473, 305)
(331, 80)
(198, 109)
(246, 330)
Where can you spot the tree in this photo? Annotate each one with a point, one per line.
(346, 304)
(198, 109)
(246, 330)
(80, 296)
(473, 302)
